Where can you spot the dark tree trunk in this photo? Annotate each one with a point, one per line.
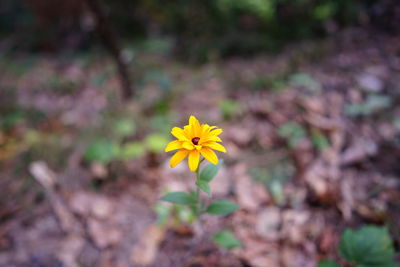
(110, 41)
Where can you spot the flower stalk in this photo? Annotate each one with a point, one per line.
(196, 142)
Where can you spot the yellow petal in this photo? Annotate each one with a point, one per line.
(205, 129)
(193, 120)
(188, 130)
(194, 123)
(215, 146)
(173, 145)
(210, 139)
(216, 132)
(193, 160)
(179, 134)
(178, 157)
(209, 155)
(188, 145)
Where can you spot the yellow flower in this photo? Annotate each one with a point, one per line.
(195, 140)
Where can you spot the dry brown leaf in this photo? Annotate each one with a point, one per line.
(104, 235)
(86, 203)
(266, 254)
(222, 182)
(240, 135)
(248, 193)
(98, 170)
(328, 240)
(146, 249)
(347, 204)
(315, 177)
(360, 150)
(42, 173)
(268, 223)
(70, 249)
(293, 226)
(313, 104)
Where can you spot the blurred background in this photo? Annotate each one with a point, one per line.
(306, 91)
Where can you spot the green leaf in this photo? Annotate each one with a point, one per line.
(319, 140)
(132, 150)
(102, 151)
(229, 108)
(372, 104)
(124, 127)
(179, 198)
(163, 213)
(293, 132)
(222, 207)
(185, 214)
(304, 80)
(204, 186)
(226, 240)
(156, 142)
(209, 172)
(369, 246)
(328, 263)
(325, 10)
(10, 120)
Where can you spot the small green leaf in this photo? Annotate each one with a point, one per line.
(156, 142)
(319, 140)
(185, 214)
(204, 186)
(226, 240)
(223, 207)
(328, 263)
(132, 150)
(304, 80)
(124, 127)
(163, 213)
(102, 151)
(208, 173)
(373, 103)
(229, 108)
(369, 246)
(179, 198)
(293, 132)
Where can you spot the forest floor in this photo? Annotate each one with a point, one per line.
(312, 136)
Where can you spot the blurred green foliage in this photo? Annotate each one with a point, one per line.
(304, 80)
(230, 108)
(372, 104)
(274, 175)
(101, 151)
(319, 140)
(112, 141)
(368, 246)
(156, 142)
(226, 239)
(328, 263)
(201, 29)
(292, 132)
(225, 27)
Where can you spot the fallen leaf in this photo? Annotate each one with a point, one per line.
(269, 223)
(43, 174)
(146, 249)
(103, 234)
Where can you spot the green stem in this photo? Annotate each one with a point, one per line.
(199, 202)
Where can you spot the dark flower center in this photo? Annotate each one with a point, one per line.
(196, 140)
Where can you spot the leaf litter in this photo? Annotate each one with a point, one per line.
(334, 129)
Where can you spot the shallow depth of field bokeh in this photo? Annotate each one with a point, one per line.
(307, 94)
